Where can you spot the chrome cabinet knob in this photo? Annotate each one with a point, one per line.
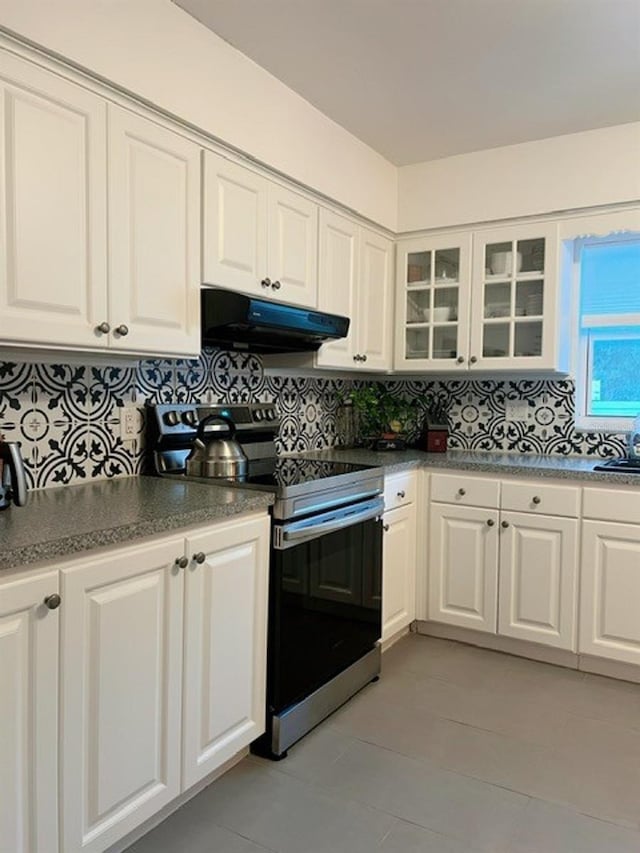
(276, 285)
(121, 330)
(536, 499)
(53, 601)
(266, 282)
(490, 522)
(200, 557)
(385, 527)
(460, 359)
(473, 359)
(401, 493)
(505, 524)
(181, 562)
(103, 328)
(462, 492)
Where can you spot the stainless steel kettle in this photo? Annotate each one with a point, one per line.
(215, 451)
(13, 480)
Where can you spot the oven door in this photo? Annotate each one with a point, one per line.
(325, 598)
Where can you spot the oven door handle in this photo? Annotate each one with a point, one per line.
(303, 531)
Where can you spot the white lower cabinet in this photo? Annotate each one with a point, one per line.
(29, 716)
(225, 645)
(463, 566)
(610, 591)
(121, 692)
(538, 579)
(399, 570)
(163, 673)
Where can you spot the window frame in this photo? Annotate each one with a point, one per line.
(590, 332)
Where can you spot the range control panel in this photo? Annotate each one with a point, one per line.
(173, 419)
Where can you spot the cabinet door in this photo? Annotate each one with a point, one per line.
(53, 239)
(121, 692)
(29, 716)
(515, 295)
(225, 644)
(293, 247)
(538, 579)
(337, 286)
(398, 570)
(610, 591)
(463, 566)
(433, 290)
(375, 301)
(154, 237)
(234, 250)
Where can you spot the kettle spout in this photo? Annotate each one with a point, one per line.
(13, 479)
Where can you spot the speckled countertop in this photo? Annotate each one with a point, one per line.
(530, 465)
(63, 521)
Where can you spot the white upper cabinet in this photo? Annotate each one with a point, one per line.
(355, 280)
(515, 294)
(487, 300)
(338, 284)
(258, 237)
(235, 234)
(53, 204)
(432, 303)
(154, 237)
(293, 246)
(29, 716)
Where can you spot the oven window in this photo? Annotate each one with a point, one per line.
(325, 609)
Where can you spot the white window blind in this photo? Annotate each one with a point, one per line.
(610, 284)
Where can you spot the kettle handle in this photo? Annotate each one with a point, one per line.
(17, 473)
(221, 419)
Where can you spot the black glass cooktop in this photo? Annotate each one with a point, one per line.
(279, 472)
(622, 465)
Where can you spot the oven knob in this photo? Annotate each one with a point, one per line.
(189, 418)
(271, 414)
(259, 415)
(171, 418)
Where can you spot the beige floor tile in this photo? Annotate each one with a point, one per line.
(410, 838)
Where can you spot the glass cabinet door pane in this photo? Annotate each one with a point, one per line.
(497, 300)
(445, 304)
(499, 259)
(532, 254)
(419, 267)
(529, 298)
(445, 342)
(495, 340)
(447, 266)
(417, 343)
(418, 306)
(528, 339)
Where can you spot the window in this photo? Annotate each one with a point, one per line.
(608, 362)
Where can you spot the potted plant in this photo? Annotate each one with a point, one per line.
(380, 414)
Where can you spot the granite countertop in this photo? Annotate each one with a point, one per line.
(64, 521)
(530, 465)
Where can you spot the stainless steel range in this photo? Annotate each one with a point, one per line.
(326, 561)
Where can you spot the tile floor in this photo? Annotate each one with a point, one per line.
(454, 750)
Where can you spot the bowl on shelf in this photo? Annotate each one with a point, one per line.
(441, 314)
(501, 263)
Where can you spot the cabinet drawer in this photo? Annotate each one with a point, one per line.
(399, 489)
(612, 505)
(541, 498)
(465, 491)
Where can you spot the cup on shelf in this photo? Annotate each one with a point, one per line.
(426, 314)
(501, 263)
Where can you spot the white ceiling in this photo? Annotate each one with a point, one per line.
(423, 79)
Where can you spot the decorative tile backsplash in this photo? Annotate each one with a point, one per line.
(67, 417)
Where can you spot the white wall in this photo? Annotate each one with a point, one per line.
(157, 51)
(578, 170)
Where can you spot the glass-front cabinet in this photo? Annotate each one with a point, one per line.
(483, 301)
(513, 309)
(433, 302)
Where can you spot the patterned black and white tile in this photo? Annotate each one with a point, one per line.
(67, 416)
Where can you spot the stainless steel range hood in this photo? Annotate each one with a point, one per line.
(235, 321)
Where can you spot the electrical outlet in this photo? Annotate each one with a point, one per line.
(517, 411)
(128, 422)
